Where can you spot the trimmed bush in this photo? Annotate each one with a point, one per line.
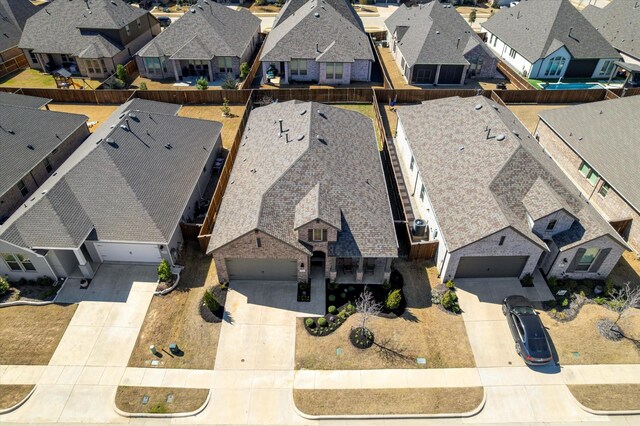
(164, 271)
(4, 285)
(309, 322)
(142, 86)
(553, 282)
(527, 280)
(44, 281)
(393, 299)
(244, 70)
(202, 83)
(332, 309)
(121, 72)
(450, 285)
(322, 322)
(608, 287)
(343, 295)
(351, 309)
(450, 301)
(332, 298)
(229, 82)
(210, 300)
(386, 285)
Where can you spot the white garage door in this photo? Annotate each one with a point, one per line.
(134, 253)
(262, 269)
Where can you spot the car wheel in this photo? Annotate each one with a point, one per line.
(504, 310)
(518, 349)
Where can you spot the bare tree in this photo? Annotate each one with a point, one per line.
(624, 299)
(367, 307)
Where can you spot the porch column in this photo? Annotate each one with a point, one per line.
(437, 75)
(286, 74)
(464, 74)
(360, 273)
(41, 61)
(85, 267)
(211, 71)
(387, 268)
(175, 70)
(332, 268)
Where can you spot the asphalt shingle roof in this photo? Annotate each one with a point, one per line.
(27, 136)
(209, 30)
(126, 185)
(13, 99)
(604, 134)
(13, 15)
(535, 29)
(434, 33)
(619, 23)
(69, 27)
(327, 160)
(480, 166)
(314, 28)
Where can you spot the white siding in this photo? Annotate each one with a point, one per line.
(39, 262)
(519, 63)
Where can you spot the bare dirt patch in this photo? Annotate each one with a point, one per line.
(29, 335)
(10, 395)
(423, 331)
(627, 270)
(175, 318)
(579, 342)
(97, 113)
(161, 400)
(613, 397)
(317, 402)
(230, 125)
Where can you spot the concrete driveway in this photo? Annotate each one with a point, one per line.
(489, 334)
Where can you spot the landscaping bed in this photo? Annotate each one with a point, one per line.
(29, 335)
(159, 400)
(39, 290)
(613, 397)
(329, 402)
(10, 395)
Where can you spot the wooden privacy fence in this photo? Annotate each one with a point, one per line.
(190, 231)
(14, 64)
(207, 226)
(379, 123)
(415, 96)
(195, 97)
(422, 251)
(516, 79)
(551, 96)
(386, 80)
(496, 98)
(356, 94)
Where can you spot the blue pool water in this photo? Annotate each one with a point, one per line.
(571, 86)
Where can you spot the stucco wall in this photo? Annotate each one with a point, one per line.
(246, 247)
(39, 262)
(563, 261)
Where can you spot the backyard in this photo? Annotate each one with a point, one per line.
(230, 125)
(176, 318)
(30, 334)
(423, 331)
(37, 79)
(528, 113)
(97, 114)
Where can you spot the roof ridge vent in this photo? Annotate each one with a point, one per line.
(500, 137)
(478, 107)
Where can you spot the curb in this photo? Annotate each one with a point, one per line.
(34, 303)
(471, 413)
(159, 416)
(604, 413)
(19, 404)
(176, 270)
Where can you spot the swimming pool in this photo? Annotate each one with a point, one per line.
(571, 86)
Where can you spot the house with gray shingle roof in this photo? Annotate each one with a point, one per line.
(210, 40)
(493, 199)
(13, 15)
(120, 197)
(321, 41)
(306, 197)
(86, 37)
(433, 44)
(619, 23)
(597, 146)
(33, 144)
(548, 40)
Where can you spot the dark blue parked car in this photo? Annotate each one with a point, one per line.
(527, 330)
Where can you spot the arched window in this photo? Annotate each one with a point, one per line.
(555, 66)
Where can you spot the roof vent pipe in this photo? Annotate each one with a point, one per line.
(458, 43)
(280, 121)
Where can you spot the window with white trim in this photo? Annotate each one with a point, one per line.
(298, 67)
(47, 164)
(413, 162)
(333, 71)
(18, 262)
(604, 189)
(317, 235)
(22, 188)
(423, 192)
(225, 65)
(512, 53)
(555, 66)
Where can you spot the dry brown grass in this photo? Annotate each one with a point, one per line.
(97, 113)
(396, 77)
(176, 318)
(10, 395)
(528, 113)
(579, 342)
(423, 331)
(318, 402)
(33, 78)
(230, 125)
(30, 334)
(168, 84)
(627, 270)
(129, 399)
(615, 397)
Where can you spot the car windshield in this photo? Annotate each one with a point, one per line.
(524, 310)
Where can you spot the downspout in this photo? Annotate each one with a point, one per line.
(415, 184)
(442, 264)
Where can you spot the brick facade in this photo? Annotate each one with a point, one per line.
(562, 262)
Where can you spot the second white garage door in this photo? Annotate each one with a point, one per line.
(133, 253)
(262, 269)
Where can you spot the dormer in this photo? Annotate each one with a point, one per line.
(547, 213)
(317, 220)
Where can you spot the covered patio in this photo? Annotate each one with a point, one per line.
(632, 71)
(351, 270)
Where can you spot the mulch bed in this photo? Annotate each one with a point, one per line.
(31, 291)
(163, 285)
(304, 291)
(214, 317)
(361, 338)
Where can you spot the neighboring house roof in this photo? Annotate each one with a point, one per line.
(536, 29)
(13, 99)
(208, 30)
(13, 15)
(326, 31)
(129, 181)
(434, 33)
(481, 168)
(326, 165)
(619, 23)
(605, 135)
(27, 136)
(70, 27)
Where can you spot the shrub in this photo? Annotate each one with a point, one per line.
(351, 309)
(472, 16)
(158, 408)
(164, 271)
(121, 73)
(142, 86)
(600, 300)
(386, 285)
(450, 285)
(396, 279)
(210, 300)
(260, 2)
(527, 280)
(332, 285)
(565, 302)
(343, 295)
(44, 281)
(332, 298)
(393, 299)
(608, 287)
(322, 322)
(571, 284)
(229, 82)
(226, 111)
(4, 285)
(309, 322)
(244, 70)
(202, 83)
(450, 301)
(553, 282)
(332, 309)
(116, 83)
(342, 314)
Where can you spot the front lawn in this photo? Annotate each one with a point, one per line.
(318, 402)
(10, 395)
(131, 399)
(423, 331)
(176, 318)
(615, 397)
(29, 335)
